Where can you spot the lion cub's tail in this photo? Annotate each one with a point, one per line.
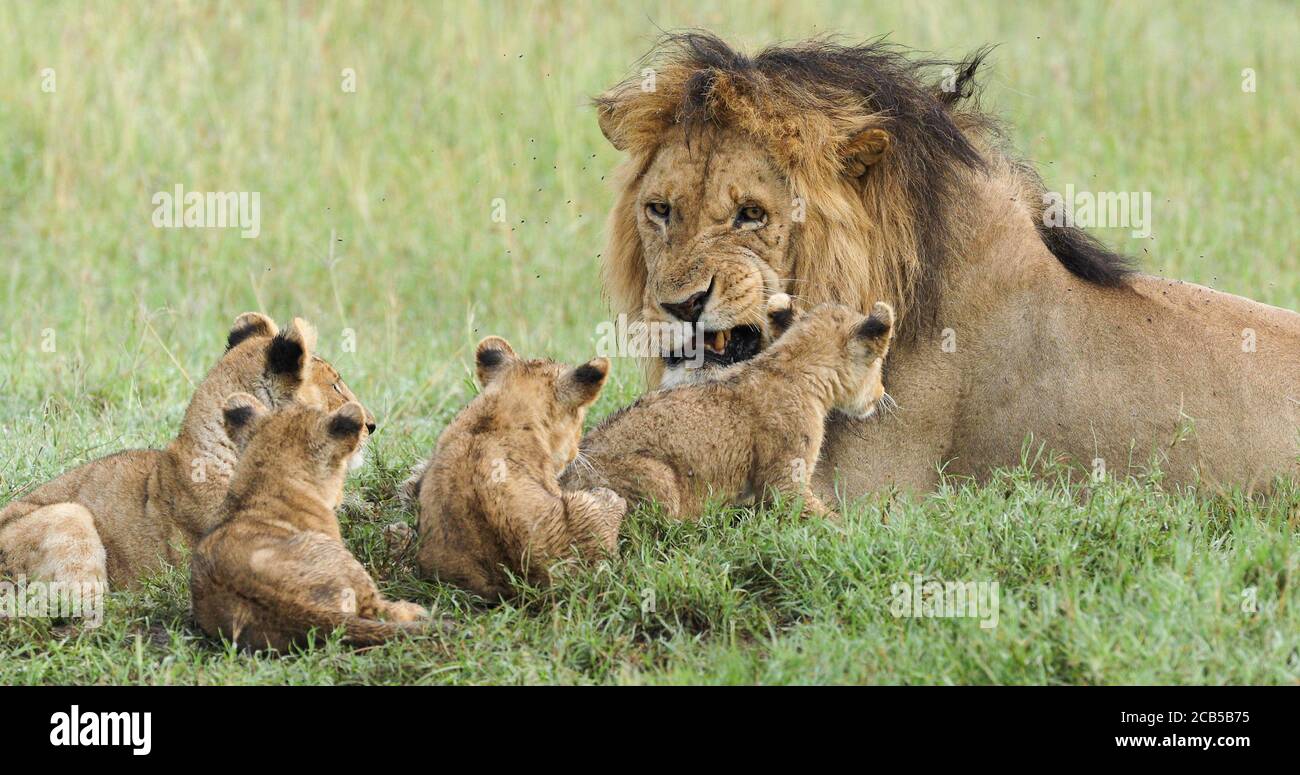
(408, 492)
(298, 617)
(359, 631)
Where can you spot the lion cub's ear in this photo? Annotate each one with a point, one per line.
(877, 330)
(240, 415)
(344, 427)
(248, 325)
(289, 356)
(491, 358)
(865, 148)
(780, 314)
(579, 386)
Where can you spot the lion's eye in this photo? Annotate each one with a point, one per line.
(337, 389)
(751, 216)
(658, 210)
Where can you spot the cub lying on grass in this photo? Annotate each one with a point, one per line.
(489, 499)
(753, 429)
(275, 567)
(117, 518)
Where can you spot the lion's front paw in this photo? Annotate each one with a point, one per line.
(608, 498)
(402, 611)
(398, 538)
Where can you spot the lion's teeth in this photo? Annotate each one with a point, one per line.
(717, 340)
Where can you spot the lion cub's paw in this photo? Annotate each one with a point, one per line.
(398, 538)
(814, 507)
(608, 498)
(403, 611)
(780, 314)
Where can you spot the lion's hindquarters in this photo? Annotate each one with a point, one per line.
(273, 593)
(639, 478)
(54, 543)
(594, 517)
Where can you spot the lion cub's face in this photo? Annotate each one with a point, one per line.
(296, 443)
(714, 219)
(545, 398)
(287, 369)
(844, 340)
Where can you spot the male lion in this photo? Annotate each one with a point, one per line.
(117, 518)
(839, 173)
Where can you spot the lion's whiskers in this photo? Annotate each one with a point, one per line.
(885, 405)
(767, 295)
(581, 459)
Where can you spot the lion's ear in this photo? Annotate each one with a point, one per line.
(877, 330)
(607, 117)
(580, 386)
(344, 426)
(491, 358)
(288, 358)
(240, 415)
(864, 149)
(248, 325)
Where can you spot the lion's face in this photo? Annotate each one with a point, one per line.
(715, 219)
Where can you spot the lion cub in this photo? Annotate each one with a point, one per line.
(755, 428)
(276, 567)
(489, 499)
(121, 517)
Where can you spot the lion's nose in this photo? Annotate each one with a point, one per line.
(370, 427)
(689, 310)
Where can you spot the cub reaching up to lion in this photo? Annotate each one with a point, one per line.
(120, 517)
(489, 499)
(753, 428)
(509, 490)
(275, 567)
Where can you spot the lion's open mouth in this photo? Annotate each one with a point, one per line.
(722, 348)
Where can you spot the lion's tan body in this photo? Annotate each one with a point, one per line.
(489, 497)
(1158, 371)
(752, 431)
(1014, 333)
(275, 568)
(118, 518)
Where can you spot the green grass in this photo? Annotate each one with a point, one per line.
(461, 104)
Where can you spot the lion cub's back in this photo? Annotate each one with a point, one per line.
(105, 482)
(684, 421)
(456, 544)
(672, 445)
